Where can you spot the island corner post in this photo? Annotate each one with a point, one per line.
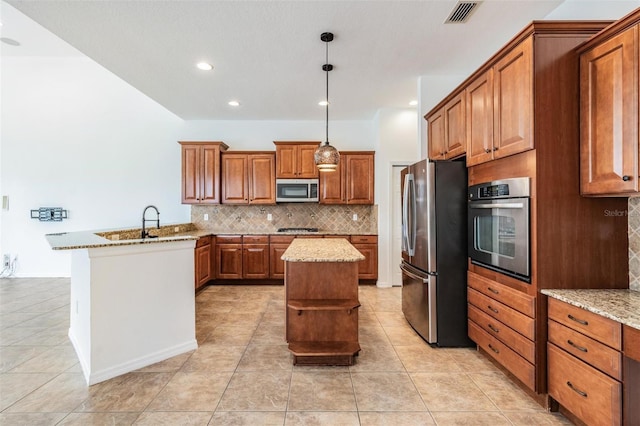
(321, 296)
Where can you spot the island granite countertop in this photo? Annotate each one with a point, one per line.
(321, 250)
(621, 305)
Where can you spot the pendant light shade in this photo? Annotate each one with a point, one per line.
(327, 157)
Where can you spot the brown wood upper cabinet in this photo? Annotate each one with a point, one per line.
(248, 178)
(352, 183)
(609, 111)
(447, 137)
(201, 171)
(499, 118)
(295, 160)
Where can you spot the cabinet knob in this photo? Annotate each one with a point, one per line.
(495, 149)
(487, 150)
(626, 178)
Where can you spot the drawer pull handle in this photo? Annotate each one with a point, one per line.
(580, 348)
(495, 311)
(579, 321)
(493, 349)
(493, 291)
(495, 330)
(578, 391)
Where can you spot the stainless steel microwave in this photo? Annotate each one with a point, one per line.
(297, 190)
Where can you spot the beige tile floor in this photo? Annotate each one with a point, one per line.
(242, 371)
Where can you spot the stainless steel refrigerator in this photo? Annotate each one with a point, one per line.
(434, 251)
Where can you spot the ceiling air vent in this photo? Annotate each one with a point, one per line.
(461, 12)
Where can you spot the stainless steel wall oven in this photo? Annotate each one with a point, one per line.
(499, 233)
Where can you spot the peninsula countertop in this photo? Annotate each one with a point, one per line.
(321, 250)
(621, 305)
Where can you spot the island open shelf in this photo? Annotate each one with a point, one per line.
(321, 291)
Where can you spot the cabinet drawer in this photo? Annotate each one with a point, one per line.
(520, 344)
(631, 339)
(513, 362)
(281, 239)
(513, 298)
(229, 239)
(512, 318)
(592, 396)
(255, 239)
(372, 239)
(203, 241)
(591, 351)
(593, 325)
(346, 237)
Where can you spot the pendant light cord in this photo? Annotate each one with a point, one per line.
(327, 68)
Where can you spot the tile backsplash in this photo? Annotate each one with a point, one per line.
(244, 219)
(634, 243)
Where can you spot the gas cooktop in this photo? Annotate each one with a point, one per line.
(297, 229)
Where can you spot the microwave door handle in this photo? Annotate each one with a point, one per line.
(498, 206)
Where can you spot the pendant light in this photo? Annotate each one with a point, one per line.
(327, 157)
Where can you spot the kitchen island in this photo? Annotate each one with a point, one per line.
(321, 292)
(132, 300)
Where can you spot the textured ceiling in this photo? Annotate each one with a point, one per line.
(268, 54)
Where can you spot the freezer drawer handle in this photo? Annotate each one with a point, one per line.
(580, 348)
(576, 390)
(414, 276)
(579, 321)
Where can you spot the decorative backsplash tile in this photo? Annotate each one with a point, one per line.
(244, 219)
(634, 243)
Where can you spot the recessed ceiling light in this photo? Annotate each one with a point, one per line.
(204, 66)
(234, 103)
(323, 103)
(413, 103)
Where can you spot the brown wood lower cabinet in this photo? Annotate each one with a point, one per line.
(203, 266)
(229, 256)
(255, 256)
(584, 363)
(278, 244)
(368, 246)
(631, 386)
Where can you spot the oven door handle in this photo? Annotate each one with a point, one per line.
(498, 206)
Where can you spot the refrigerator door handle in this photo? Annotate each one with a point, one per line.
(411, 274)
(408, 215)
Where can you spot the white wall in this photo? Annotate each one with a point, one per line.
(397, 142)
(75, 136)
(593, 9)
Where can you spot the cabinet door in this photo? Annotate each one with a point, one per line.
(255, 261)
(513, 101)
(262, 182)
(359, 178)
(276, 268)
(609, 116)
(368, 268)
(479, 118)
(210, 167)
(229, 261)
(235, 188)
(286, 161)
(190, 174)
(436, 135)
(454, 121)
(332, 184)
(306, 164)
(203, 265)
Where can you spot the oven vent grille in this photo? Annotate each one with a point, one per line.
(461, 12)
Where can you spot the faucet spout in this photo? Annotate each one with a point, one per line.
(145, 233)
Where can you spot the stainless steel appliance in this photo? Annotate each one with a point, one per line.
(434, 251)
(499, 226)
(297, 190)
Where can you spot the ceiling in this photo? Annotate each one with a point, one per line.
(268, 54)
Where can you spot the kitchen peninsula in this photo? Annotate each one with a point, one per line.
(132, 299)
(321, 291)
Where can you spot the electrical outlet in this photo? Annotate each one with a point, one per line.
(269, 217)
(6, 261)
(176, 229)
(206, 216)
(355, 216)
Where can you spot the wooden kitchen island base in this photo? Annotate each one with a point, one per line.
(321, 290)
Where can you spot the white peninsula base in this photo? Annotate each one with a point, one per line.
(131, 306)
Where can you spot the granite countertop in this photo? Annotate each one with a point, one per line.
(619, 305)
(321, 250)
(166, 233)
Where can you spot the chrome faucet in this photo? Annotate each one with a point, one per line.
(145, 233)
